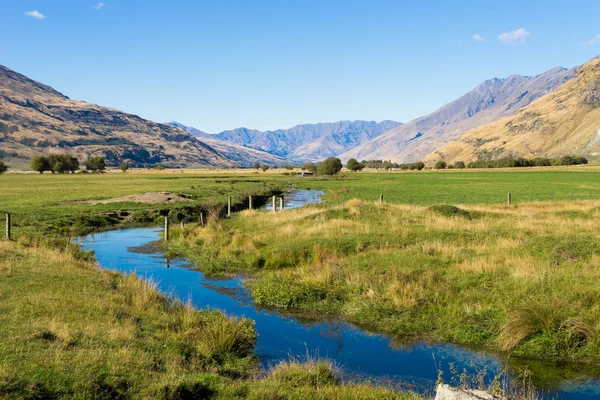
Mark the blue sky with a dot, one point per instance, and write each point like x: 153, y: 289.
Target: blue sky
x: 224, y: 64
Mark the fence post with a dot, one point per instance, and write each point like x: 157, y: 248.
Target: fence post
x: 166, y: 229
x: 274, y: 205
x: 380, y: 199
x: 250, y: 202
x: 201, y: 218
x: 229, y: 206
x: 281, y: 203
x: 509, y: 198
x: 7, y: 226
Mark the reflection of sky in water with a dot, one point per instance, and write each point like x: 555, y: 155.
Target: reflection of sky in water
x: 359, y: 353
x: 296, y: 198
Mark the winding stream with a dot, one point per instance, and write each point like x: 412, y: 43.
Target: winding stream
x: 360, y: 354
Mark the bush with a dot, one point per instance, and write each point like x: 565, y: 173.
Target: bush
x: 256, y: 165
x: 264, y: 167
x: 124, y: 167
x: 459, y: 165
x: 95, y: 163
x: 354, y: 165
x: 330, y: 166
x: 40, y: 164
x: 440, y: 165
x: 3, y: 168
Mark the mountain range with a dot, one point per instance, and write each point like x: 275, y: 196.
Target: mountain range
x: 307, y: 142
x: 565, y: 122
x: 488, y: 102
x: 551, y: 114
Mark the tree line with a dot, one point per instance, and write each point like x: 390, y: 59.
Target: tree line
x: 66, y: 163
x: 515, y: 162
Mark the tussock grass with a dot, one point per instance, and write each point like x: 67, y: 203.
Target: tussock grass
x: 410, y: 271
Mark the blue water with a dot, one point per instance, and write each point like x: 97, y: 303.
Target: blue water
x: 361, y: 355
x: 296, y: 198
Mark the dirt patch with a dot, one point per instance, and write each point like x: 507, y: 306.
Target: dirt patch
x: 146, y: 198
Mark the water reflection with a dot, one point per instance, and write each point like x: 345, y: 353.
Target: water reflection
x: 361, y: 354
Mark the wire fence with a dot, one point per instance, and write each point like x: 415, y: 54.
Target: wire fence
x: 10, y: 221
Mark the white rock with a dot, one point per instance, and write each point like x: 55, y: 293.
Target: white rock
x: 446, y: 392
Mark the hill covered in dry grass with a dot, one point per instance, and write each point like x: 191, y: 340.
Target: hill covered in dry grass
x: 566, y: 121
x: 35, y: 119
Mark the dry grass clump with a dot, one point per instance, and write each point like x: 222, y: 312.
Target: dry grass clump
x: 539, y: 317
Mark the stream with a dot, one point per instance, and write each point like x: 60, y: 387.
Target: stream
x: 361, y: 355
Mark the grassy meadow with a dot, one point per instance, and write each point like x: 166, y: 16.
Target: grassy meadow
x: 56, y: 203
x: 520, y: 279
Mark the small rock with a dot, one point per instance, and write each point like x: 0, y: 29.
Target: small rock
x: 447, y: 392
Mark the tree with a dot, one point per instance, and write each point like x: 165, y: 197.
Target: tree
x: 3, y: 168
x: 95, y: 163
x: 40, y: 164
x: 124, y: 167
x: 459, y: 165
x: 440, y: 165
x: 354, y: 165
x: 62, y: 163
x: 310, y: 167
x: 264, y: 167
x: 256, y: 165
x: 330, y: 166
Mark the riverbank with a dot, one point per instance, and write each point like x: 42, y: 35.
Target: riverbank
x: 71, y: 330
x: 520, y: 280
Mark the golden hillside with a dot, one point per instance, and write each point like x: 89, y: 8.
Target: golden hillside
x: 36, y: 119
x: 566, y: 121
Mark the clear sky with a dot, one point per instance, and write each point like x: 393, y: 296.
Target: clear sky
x: 223, y: 64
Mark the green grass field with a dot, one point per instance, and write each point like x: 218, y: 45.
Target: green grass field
x: 41, y: 202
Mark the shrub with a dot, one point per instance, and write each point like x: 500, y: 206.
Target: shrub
x: 264, y: 167
x: 459, y: 165
x: 95, y: 163
x: 330, y: 166
x: 124, y: 167
x: 354, y: 165
x: 40, y: 164
x: 440, y: 165
x: 3, y: 168
x: 256, y: 165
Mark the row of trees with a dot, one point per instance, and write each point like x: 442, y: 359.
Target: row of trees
x: 510, y: 162
x: 65, y: 163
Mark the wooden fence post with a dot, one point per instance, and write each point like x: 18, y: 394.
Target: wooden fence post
x: 380, y: 199
x: 201, y: 218
x: 274, y: 204
x: 509, y: 198
x: 281, y: 203
x: 166, y: 229
x: 250, y: 202
x: 229, y: 206
x: 8, y: 226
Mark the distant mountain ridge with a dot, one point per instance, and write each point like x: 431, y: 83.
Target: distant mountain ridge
x: 564, y: 122
x: 307, y: 142
x: 488, y: 102
x: 36, y: 119
x: 242, y: 156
